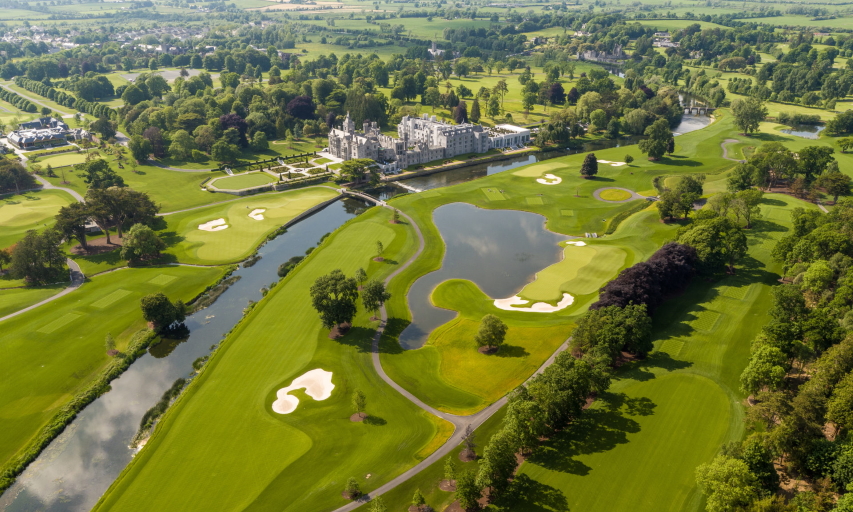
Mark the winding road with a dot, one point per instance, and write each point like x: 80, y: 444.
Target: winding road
x: 460, y: 423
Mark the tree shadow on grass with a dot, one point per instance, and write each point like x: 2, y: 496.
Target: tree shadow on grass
x: 390, y: 342
x: 601, y: 178
x: 641, y: 370
x: 535, y: 496
x: 171, y: 238
x: 769, y: 137
x: 512, y: 351
x: 680, y: 163
x: 360, y: 338
x: 772, y: 202
x: 598, y: 430
x: 375, y: 421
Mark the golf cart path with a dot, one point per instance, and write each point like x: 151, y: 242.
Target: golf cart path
x: 726, y: 151
x: 634, y: 195
x: 77, y: 279
x: 49, y: 186
x: 460, y: 423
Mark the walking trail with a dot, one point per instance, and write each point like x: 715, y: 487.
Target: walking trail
x: 77, y: 279
x: 460, y: 423
x: 726, y: 151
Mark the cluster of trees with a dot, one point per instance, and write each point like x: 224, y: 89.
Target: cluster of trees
x: 811, y: 167
x: 679, y: 201
x: 14, y: 177
x: 799, y: 377
x: 165, y: 317
x: 335, y: 297
x: 38, y: 258
x: 17, y: 100
x: 67, y: 100
x: 650, y: 282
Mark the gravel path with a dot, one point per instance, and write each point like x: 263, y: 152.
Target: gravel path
x: 460, y: 423
x: 49, y: 186
x: 634, y: 195
x: 726, y: 151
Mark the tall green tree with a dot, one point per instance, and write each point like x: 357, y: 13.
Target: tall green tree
x: 748, y: 113
x: 161, y: 312
x: 98, y: 174
x: 38, y: 258
x: 374, y: 295
x: 728, y: 484
x: 498, y: 463
x: 141, y: 243
x: 589, y: 167
x: 71, y: 222
x: 766, y: 370
x: 492, y: 332
x: 334, y: 297
x: 719, y: 243
x: 658, y: 139
x: 467, y: 490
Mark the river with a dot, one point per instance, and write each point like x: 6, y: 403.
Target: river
x: 80, y: 464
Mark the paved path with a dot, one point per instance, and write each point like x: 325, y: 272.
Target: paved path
x: 460, y: 423
x: 49, y: 186
x: 77, y: 279
x: 726, y: 151
x: 634, y: 195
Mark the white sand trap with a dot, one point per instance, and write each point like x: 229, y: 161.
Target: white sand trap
x: 578, y: 243
x: 258, y: 213
x: 549, y: 179
x: 612, y: 164
x: 539, y: 307
x: 213, y: 225
x: 317, y: 384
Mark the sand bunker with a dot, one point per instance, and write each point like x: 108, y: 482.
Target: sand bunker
x: 317, y: 384
x: 539, y: 307
x: 613, y: 164
x: 549, y: 179
x: 578, y: 243
x: 258, y: 213
x: 214, y: 225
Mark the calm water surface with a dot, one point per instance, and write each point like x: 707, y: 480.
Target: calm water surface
x: 79, y: 465
x: 806, y: 131
x: 499, y: 250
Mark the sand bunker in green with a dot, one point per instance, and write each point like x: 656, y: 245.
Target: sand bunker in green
x: 241, y: 181
x: 582, y: 271
x: 247, y: 225
x: 30, y: 210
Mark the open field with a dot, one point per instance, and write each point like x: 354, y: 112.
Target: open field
x: 244, y: 234
x: 48, y: 354
x: 30, y: 210
x: 665, y: 415
x: 300, y: 460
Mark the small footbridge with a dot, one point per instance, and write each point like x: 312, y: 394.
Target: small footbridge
x: 361, y: 195
x: 699, y: 110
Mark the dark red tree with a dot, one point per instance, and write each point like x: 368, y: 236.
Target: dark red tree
x: 155, y: 137
x: 235, y: 121
x: 301, y: 107
x: 557, y: 94
x: 573, y: 96
x: 460, y: 113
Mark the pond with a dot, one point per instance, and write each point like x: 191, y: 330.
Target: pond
x: 499, y: 250
x: 79, y: 465
x: 806, y: 131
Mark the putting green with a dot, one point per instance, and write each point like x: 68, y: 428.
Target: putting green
x: 639, y: 446
x: 494, y: 194
x: 244, y: 233
x: 30, y: 210
x: 582, y: 271
x: 537, y: 170
x: 241, y: 181
x: 299, y: 461
x: 614, y: 194
x: 49, y: 354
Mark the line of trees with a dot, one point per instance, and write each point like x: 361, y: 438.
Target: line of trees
x: 17, y: 100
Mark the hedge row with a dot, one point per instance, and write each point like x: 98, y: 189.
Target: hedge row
x: 138, y: 345
x: 18, y: 101
x: 66, y: 100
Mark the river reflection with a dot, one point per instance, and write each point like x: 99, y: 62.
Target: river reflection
x: 79, y: 465
x: 499, y: 250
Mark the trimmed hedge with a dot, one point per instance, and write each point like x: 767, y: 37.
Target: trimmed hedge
x: 138, y: 345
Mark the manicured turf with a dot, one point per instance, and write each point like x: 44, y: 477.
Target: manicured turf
x: 16, y: 299
x: 639, y: 445
x: 581, y: 272
x: 613, y: 194
x: 298, y: 461
x: 241, y: 181
x: 244, y: 233
x: 30, y: 210
x: 69, y: 158
x: 49, y: 353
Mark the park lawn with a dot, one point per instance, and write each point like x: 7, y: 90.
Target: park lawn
x: 640, y: 443
x: 244, y: 233
x: 299, y: 461
x: 243, y: 180
x: 49, y: 354
x: 16, y: 299
x: 30, y: 210
x: 172, y: 190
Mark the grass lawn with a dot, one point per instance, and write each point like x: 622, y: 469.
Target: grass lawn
x: 615, y: 195
x: 244, y: 234
x: 69, y: 158
x: 16, y: 299
x: 440, y: 373
x: 30, y: 210
x: 172, y: 190
x: 299, y: 461
x: 244, y: 180
x: 640, y: 443
x: 48, y: 354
